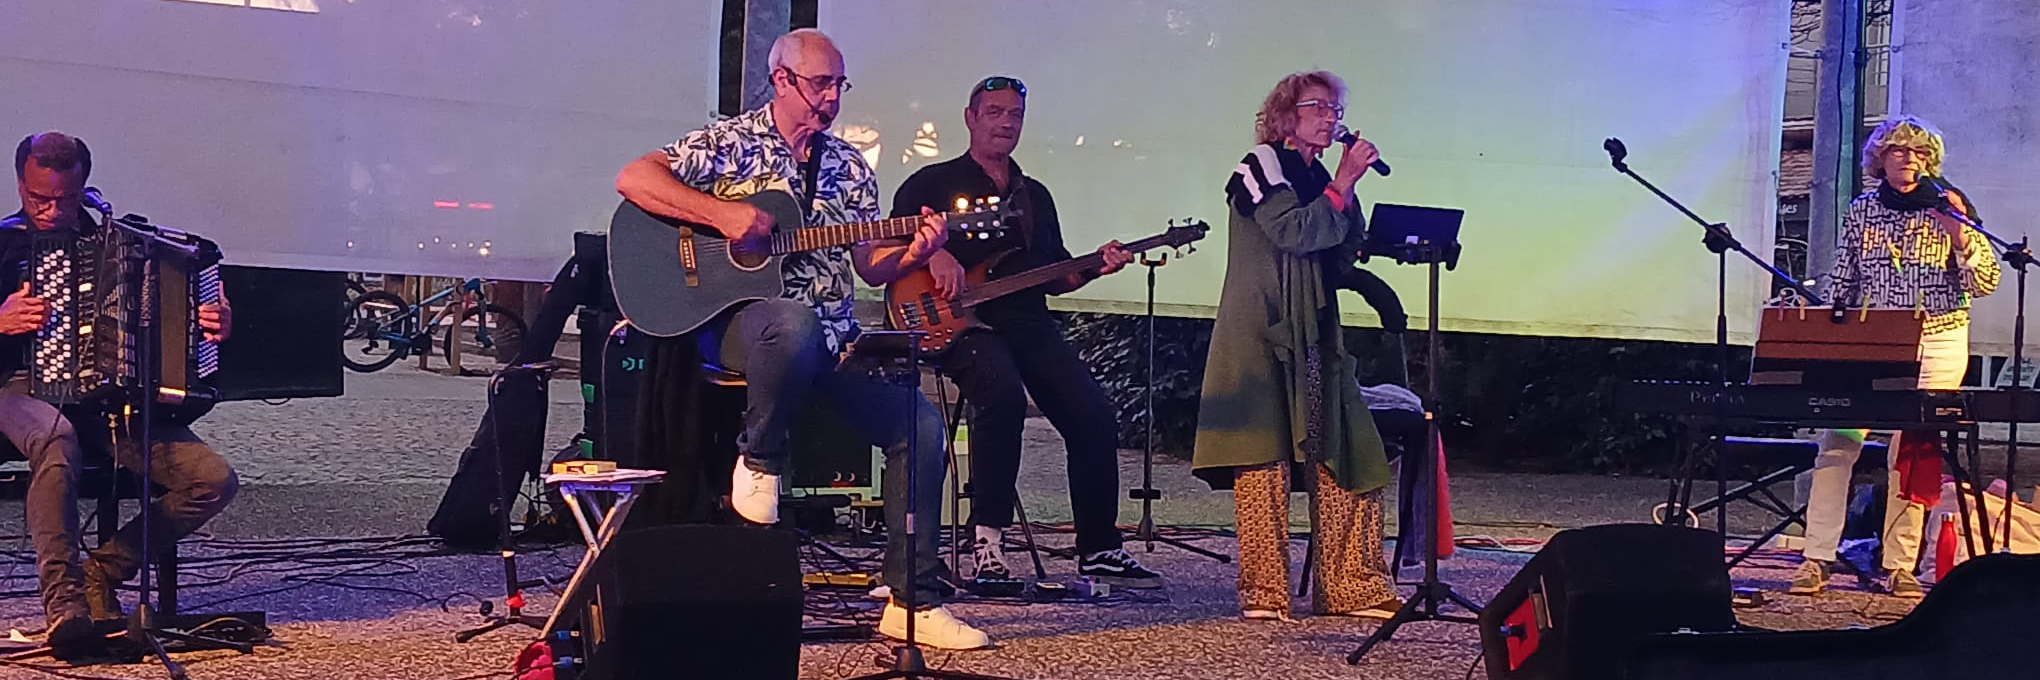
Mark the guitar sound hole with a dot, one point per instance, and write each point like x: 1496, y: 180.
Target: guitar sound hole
x: 748, y: 260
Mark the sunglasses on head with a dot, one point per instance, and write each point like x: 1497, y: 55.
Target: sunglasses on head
x: 996, y: 83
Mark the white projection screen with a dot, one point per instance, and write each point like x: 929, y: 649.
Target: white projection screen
x: 1964, y: 68
x: 401, y: 136
x: 1138, y: 110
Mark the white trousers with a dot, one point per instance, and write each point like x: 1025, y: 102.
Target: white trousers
x: 1944, y: 358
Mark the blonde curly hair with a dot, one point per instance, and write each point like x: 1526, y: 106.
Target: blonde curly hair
x: 1277, y: 119
x: 1908, y: 131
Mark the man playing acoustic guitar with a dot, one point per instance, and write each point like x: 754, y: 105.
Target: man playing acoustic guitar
x: 1023, y: 351
x: 787, y: 347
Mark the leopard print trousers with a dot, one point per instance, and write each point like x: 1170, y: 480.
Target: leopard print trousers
x: 1351, y: 573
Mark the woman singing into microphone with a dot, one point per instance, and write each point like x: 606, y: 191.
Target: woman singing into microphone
x: 1279, y: 388
x: 1898, y: 251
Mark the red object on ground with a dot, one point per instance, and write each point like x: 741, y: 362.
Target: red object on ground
x: 534, y: 663
x: 1445, y: 540
x: 1944, y: 549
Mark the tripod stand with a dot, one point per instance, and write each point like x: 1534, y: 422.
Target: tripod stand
x: 1147, y: 494
x: 1718, y: 240
x: 905, y: 347
x: 513, y: 589
x: 1431, y: 594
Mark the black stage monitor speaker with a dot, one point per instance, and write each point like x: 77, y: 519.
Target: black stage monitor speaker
x: 286, y: 340
x: 1584, y: 599
x: 685, y: 601
x: 1976, y: 623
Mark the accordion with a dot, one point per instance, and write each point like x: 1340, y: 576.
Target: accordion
x: 88, y: 350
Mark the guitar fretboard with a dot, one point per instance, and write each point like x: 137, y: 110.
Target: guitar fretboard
x: 815, y: 238
x: 1040, y: 275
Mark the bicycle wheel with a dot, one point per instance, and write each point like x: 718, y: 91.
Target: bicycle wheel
x: 382, y: 326
x: 500, y: 326
x: 350, y: 325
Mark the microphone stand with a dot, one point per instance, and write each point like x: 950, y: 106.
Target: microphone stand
x: 1719, y: 240
x: 1147, y: 494
x: 2020, y: 256
x: 141, y: 285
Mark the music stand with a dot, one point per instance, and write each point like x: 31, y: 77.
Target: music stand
x: 1430, y: 237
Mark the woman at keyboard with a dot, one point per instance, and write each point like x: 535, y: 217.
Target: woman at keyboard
x: 1898, y: 249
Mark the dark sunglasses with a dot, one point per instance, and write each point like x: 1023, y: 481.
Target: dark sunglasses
x: 996, y: 83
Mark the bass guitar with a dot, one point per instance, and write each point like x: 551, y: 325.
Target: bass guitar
x: 670, y: 276
x: 911, y: 303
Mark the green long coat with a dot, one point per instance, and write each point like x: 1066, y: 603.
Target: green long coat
x: 1275, y: 304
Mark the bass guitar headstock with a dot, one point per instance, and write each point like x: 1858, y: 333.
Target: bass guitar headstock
x: 979, y: 219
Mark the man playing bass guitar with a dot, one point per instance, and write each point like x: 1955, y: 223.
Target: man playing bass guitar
x: 1023, y: 351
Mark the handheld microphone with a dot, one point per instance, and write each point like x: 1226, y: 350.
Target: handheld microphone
x: 93, y: 200
x: 1347, y: 138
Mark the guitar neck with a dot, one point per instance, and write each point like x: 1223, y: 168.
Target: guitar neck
x: 1040, y: 275
x: 816, y: 238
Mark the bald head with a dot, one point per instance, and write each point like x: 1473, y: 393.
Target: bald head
x: 49, y: 172
x: 807, y: 78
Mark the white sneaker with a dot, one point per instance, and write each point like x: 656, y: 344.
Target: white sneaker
x: 988, y: 554
x: 754, y: 495
x: 932, y: 627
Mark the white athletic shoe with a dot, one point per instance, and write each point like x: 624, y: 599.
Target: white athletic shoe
x: 934, y: 627
x: 754, y: 495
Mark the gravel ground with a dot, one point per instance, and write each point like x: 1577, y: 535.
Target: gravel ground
x: 373, y: 463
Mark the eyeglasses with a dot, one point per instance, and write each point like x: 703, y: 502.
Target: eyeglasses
x: 1907, y: 150
x: 840, y: 84
x: 1337, y: 112
x: 996, y: 83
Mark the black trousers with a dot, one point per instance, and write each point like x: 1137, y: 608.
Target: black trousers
x: 996, y: 371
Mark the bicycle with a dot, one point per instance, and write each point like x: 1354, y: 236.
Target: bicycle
x: 381, y: 328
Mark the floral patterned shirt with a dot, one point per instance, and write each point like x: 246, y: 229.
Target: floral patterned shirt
x: 742, y: 155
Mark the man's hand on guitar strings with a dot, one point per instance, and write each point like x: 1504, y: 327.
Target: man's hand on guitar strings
x: 747, y: 224
x: 928, y: 240
x: 948, y: 274
x: 1116, y: 257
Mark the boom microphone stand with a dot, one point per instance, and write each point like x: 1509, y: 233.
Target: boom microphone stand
x: 2019, y: 256
x: 143, y: 285
x: 1718, y: 240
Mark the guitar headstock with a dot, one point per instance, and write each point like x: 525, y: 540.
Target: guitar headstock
x: 1181, y: 235
x: 978, y: 219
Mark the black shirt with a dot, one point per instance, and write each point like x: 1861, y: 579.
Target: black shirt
x: 1035, y: 232
x: 14, y: 246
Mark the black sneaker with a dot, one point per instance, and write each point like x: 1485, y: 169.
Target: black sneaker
x: 1118, y: 568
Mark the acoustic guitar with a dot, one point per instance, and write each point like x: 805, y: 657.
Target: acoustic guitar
x: 911, y: 303
x: 670, y: 277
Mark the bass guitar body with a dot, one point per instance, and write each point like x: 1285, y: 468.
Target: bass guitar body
x: 911, y: 304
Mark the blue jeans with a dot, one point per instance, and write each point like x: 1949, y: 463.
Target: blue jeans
x: 197, y: 484
x: 778, y: 346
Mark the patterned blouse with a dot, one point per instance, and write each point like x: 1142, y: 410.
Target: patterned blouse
x: 744, y: 154
x: 1890, y: 259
